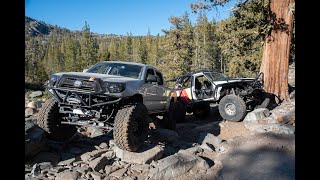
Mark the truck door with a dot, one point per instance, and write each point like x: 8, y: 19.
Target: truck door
x: 202, y: 88
x: 154, y: 92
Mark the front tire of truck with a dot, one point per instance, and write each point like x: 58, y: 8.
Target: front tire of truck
x: 49, y: 120
x: 232, y: 108
x: 131, y: 126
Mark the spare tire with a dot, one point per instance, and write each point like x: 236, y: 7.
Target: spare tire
x: 232, y: 108
x: 131, y: 126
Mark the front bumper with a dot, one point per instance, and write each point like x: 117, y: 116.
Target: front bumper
x: 82, y: 98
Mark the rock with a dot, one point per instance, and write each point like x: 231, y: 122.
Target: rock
x: 96, y: 175
x: 176, y: 165
x: 109, y: 154
x: 112, y: 143
x: 47, y: 157
x: 36, y: 94
x: 292, y: 94
x: 67, y: 162
x: 28, y: 112
x: 257, y: 114
x: 86, y: 156
x: 144, y: 155
x: 67, y: 174
x: 164, y: 135
x: 282, y: 110
x: 45, y: 165
x: 110, y: 169
x: 207, y: 138
x: 81, y: 170
x: 35, y: 170
x: 192, y: 150
x: 103, y: 145
x: 208, y: 147
x: 57, y: 169
x: 99, y: 163
x: 94, y: 131
x: 77, y: 163
x: 119, y: 173
x: 223, y: 147
x: 31, y: 105
x: 140, y: 167
x: 278, y: 128
x: 35, y: 140
x: 131, y: 178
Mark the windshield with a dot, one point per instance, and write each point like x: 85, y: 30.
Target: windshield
x: 117, y: 69
x: 216, y: 76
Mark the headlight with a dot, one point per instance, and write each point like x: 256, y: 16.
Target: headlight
x: 53, y: 79
x: 115, y: 87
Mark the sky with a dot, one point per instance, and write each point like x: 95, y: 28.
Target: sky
x: 116, y: 16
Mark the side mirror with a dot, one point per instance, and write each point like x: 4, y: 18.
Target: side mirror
x: 152, y: 78
x: 85, y: 70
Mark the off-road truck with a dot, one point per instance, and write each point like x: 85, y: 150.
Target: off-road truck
x: 200, y: 89
x: 111, y: 94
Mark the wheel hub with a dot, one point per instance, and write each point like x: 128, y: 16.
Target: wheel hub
x: 230, y: 109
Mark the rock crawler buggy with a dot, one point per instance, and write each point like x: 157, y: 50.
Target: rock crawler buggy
x: 200, y: 89
x: 112, y: 95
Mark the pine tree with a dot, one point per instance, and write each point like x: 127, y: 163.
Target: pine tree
x: 89, y: 47
x: 179, y: 47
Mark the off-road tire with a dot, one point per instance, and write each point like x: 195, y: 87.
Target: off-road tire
x: 131, y: 126
x: 201, y: 110
x: 49, y: 120
x: 232, y: 108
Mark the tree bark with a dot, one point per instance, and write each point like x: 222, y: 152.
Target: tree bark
x: 275, y: 58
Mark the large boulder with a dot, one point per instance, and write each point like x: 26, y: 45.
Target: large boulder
x: 28, y: 112
x: 35, y: 94
x: 144, y: 155
x: 207, y: 139
x: 93, y: 154
x: 99, y: 163
x: 67, y: 174
x: 257, y: 114
x: 176, y: 165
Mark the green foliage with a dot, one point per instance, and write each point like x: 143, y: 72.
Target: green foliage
x: 241, y: 39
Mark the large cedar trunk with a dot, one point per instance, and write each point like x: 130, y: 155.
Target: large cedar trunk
x: 275, y: 58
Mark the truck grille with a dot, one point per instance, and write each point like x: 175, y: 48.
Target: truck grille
x: 68, y: 82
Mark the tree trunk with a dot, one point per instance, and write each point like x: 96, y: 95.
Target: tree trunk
x: 275, y: 59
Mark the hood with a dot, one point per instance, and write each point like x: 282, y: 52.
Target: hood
x: 103, y: 77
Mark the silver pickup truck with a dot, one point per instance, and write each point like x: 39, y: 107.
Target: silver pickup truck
x: 113, y: 95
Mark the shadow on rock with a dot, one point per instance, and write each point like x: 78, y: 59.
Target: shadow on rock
x: 267, y: 156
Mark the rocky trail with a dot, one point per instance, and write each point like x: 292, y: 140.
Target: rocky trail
x: 262, y: 146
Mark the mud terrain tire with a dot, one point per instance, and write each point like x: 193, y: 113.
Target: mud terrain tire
x: 49, y: 120
x: 232, y: 108
x: 131, y: 126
